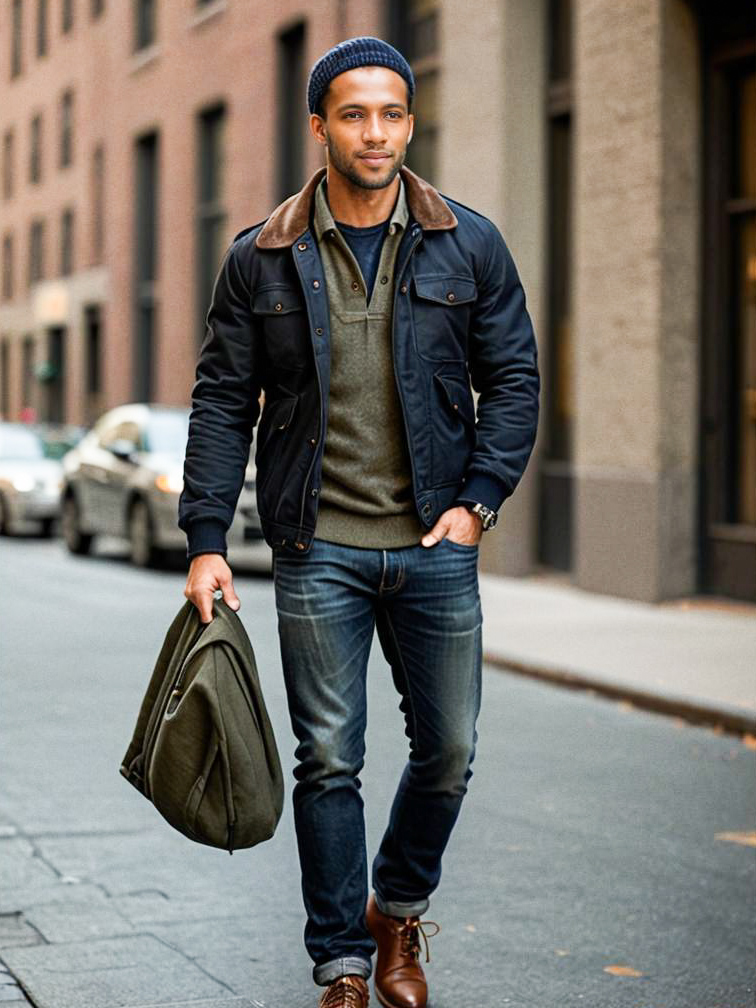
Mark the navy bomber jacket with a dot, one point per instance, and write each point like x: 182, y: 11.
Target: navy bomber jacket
x: 459, y: 319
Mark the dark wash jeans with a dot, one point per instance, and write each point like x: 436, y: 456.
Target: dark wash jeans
x: 426, y: 606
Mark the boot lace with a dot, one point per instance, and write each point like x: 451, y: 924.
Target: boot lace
x: 342, y: 993
x: 410, y: 933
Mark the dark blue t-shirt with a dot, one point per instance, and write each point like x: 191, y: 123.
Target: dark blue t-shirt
x: 366, y: 244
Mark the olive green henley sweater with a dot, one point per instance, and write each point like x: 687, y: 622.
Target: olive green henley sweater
x: 366, y: 487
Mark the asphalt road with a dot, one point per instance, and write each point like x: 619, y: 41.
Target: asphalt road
x: 602, y: 856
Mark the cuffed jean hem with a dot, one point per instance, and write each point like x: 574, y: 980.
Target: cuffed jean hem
x: 326, y: 973
x: 394, y: 909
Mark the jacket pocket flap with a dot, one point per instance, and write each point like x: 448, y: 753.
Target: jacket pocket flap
x: 277, y: 301
x: 279, y: 412
x: 448, y: 290
x: 458, y: 395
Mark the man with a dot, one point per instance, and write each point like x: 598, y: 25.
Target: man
x: 363, y: 306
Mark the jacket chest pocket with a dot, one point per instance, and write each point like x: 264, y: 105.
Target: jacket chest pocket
x: 441, y: 315
x: 281, y: 311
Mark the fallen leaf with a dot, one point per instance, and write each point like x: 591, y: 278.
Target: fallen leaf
x: 622, y: 971
x: 746, y: 839
x: 749, y: 741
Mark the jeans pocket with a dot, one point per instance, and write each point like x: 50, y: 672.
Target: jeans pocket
x: 466, y: 547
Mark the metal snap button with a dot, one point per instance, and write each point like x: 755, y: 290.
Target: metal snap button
x: 313, y: 492
x: 450, y: 296
x: 403, y: 288
x: 313, y: 441
x: 355, y: 285
x: 319, y: 331
x: 299, y: 545
x: 455, y: 405
x: 302, y: 246
x: 384, y: 279
x: 279, y: 306
x: 316, y: 284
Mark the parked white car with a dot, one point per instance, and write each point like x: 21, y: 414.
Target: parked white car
x: 124, y: 479
x: 30, y: 483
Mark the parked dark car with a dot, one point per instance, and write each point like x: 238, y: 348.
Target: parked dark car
x: 124, y: 479
x: 30, y: 483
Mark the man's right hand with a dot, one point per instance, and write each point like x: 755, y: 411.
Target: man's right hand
x: 207, y: 573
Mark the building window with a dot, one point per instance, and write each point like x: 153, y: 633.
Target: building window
x: 35, y: 149
x: 5, y: 378
x: 7, y: 267
x: 17, y: 38
x: 67, y: 15
x: 414, y: 25
x: 41, y: 27
x: 8, y: 155
x: 27, y: 376
x: 145, y: 266
x: 290, y: 139
x: 211, y: 213
x: 66, y: 128
x: 93, y: 361
x: 144, y: 23
x: 67, y: 242
x: 36, y: 251
x: 97, y: 8
x: 98, y: 204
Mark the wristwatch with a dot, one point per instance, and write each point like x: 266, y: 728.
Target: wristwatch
x: 486, y: 515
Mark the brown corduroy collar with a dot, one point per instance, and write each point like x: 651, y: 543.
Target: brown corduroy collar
x: 290, y: 218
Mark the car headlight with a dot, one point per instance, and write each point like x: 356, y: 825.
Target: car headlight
x: 172, y: 482
x: 23, y: 483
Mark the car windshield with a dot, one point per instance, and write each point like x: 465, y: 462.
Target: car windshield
x: 168, y: 432
x: 19, y: 445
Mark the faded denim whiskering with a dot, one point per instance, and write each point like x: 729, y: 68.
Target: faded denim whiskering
x: 425, y: 604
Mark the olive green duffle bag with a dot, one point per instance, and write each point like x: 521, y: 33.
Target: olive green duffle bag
x: 203, y: 750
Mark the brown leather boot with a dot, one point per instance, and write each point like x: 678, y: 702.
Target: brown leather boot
x: 399, y: 978
x: 349, y: 991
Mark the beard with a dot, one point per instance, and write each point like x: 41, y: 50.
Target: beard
x: 345, y: 166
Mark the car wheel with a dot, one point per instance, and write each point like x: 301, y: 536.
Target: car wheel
x: 144, y: 552
x: 5, y: 528
x: 77, y: 541
x: 46, y: 527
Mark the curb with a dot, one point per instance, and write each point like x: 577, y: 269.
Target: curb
x: 724, y: 718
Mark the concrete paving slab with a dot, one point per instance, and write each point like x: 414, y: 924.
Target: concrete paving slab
x: 72, y: 922
x: 111, y: 973
x: 20, y: 865
x: 15, y: 931
x: 691, y: 659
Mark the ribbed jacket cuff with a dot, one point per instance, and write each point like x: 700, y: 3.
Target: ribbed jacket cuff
x: 483, y: 488
x: 206, y: 535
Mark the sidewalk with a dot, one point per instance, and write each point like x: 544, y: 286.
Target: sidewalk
x: 692, y: 657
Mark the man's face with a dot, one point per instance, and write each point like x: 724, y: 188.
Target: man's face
x: 367, y: 126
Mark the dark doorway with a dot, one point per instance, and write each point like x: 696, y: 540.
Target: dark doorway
x: 728, y: 379
x: 555, y: 474
x: 56, y: 375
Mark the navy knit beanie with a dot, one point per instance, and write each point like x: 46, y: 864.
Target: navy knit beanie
x: 365, y: 50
